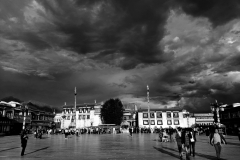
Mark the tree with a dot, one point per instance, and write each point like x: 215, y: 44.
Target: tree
x: 112, y: 112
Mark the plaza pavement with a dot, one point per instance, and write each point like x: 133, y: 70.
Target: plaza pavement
x: 109, y: 146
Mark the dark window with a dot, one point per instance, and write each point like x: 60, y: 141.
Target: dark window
x: 175, y: 115
x: 80, y: 117
x: 152, y: 115
x: 84, y: 116
x: 145, y: 122
x: 159, y: 114
x: 152, y: 122
x: 176, y: 122
x: 159, y: 122
x: 88, y: 116
x: 145, y: 115
x: 169, y: 115
x: 169, y: 122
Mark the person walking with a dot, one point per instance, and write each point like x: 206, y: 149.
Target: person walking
x: 186, y: 142
x: 216, y: 142
x: 192, y: 142
x: 179, y: 141
x: 130, y: 131
x: 160, y: 135
x: 24, y: 139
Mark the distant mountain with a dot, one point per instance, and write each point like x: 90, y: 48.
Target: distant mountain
x: 11, y: 98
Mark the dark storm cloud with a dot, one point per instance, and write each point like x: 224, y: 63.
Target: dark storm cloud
x: 133, y: 28
x: 218, y: 11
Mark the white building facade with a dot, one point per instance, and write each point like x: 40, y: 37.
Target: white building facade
x: 165, y: 118
x: 87, y: 115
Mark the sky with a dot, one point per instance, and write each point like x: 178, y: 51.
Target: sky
x: 187, y: 52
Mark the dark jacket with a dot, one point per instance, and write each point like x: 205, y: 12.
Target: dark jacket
x: 192, y: 133
x: 184, y: 140
x: 178, y: 139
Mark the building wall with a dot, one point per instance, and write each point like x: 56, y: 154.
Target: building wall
x: 87, y: 118
x: 164, y: 121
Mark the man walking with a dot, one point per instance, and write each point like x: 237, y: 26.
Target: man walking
x: 24, y: 139
x: 179, y: 141
x: 192, y: 142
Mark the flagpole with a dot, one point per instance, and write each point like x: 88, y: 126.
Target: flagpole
x: 75, y: 107
x: 149, y: 122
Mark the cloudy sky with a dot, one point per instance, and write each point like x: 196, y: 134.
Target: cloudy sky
x: 187, y: 51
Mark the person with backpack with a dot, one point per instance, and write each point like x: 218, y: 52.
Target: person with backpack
x: 216, y: 141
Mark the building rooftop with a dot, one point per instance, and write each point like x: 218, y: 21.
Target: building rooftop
x: 162, y: 109
x: 82, y: 105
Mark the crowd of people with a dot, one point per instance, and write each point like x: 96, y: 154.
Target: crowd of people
x: 185, y: 138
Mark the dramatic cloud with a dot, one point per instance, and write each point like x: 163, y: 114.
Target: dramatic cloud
x: 188, y: 51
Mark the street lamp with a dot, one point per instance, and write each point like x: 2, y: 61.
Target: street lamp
x: 216, y: 108
x: 24, y: 109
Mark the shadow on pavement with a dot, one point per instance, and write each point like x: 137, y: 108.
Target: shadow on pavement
x: 9, y: 149
x: 37, y: 150
x: 8, y: 142
x: 231, y: 143
x: 166, y: 152
x: 197, y: 154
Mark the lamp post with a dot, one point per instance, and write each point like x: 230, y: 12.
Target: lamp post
x: 216, y: 108
x: 24, y: 109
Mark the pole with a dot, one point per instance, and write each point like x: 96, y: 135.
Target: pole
x: 24, y: 118
x: 75, y: 107
x: 149, y: 122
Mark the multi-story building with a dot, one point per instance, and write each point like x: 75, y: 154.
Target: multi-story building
x: 165, y: 118
x: 230, y: 117
x: 87, y: 115
x: 203, y: 119
x: 12, y: 117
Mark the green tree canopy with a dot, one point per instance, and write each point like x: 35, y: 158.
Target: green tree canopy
x: 112, y: 112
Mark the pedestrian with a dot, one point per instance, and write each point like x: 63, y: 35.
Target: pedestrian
x: 208, y: 134
x: 192, y: 142
x: 66, y: 133
x: 24, y: 139
x: 160, y: 135
x: 77, y: 132
x: 130, y: 131
x: 179, y: 141
x: 216, y: 142
x: 186, y: 142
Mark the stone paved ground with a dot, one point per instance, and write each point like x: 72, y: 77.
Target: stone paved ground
x: 101, y: 147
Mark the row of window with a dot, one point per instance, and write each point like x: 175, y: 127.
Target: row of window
x: 81, y: 110
x: 1, y: 122
x: 160, y: 122
x: 79, y: 117
x: 230, y: 115
x: 159, y: 115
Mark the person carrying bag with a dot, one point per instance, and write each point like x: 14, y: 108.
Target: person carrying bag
x: 216, y: 141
